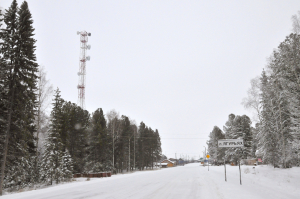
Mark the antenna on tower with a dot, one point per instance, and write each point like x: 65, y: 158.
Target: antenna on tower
x: 82, y: 66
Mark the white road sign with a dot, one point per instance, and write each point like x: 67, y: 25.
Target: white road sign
x: 231, y: 143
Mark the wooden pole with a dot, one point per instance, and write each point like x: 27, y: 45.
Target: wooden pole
x: 225, y: 170
x: 240, y: 172
x: 129, y: 157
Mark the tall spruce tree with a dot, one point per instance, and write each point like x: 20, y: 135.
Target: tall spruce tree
x: 29, y: 67
x: 26, y: 95
x: 74, y: 133
x: 3, y: 100
x: 18, y: 52
x: 52, y: 156
x: 157, y: 146
x: 9, y: 39
x: 217, y: 154
x: 141, y: 146
x: 99, y: 153
x: 56, y: 162
x: 268, y: 145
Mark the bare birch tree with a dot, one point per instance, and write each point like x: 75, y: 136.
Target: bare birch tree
x: 252, y: 101
x: 113, y: 125
x: 44, y: 92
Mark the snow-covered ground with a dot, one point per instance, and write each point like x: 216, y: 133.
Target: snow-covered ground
x: 189, y: 181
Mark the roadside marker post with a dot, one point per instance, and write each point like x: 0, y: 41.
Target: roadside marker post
x: 225, y: 170
x: 240, y: 172
x: 208, y: 156
x: 230, y: 143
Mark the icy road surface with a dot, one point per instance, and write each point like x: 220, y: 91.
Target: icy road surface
x: 189, y: 181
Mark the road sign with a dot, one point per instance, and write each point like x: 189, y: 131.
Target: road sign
x: 207, y: 156
x: 231, y: 143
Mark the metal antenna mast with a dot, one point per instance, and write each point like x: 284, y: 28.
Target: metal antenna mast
x: 82, y: 65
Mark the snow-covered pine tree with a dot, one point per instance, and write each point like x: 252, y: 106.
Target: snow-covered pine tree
x: 9, y: 41
x: 3, y: 100
x: 27, y: 95
x: 19, y: 81
x: 284, y: 80
x: 217, y: 154
x: 151, y: 145
x: 52, y: 158
x: 154, y: 146
x: 141, y: 157
x: 288, y: 71
x: 243, y: 131
x: 66, y: 167
x: 238, y: 127
x: 157, y: 146
x: 74, y: 134
x: 228, y: 130
x: 268, y: 145
x: 98, y: 147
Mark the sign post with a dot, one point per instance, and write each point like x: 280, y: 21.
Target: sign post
x: 231, y: 143
x: 208, y: 156
x: 240, y: 172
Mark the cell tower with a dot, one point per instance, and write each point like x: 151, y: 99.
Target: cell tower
x: 82, y: 65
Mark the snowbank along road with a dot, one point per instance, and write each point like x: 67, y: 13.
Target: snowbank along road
x: 189, y: 181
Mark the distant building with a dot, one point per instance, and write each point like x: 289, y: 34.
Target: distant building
x: 174, y: 160
x: 169, y: 163
x: 180, y: 162
x: 249, y: 161
x: 162, y: 165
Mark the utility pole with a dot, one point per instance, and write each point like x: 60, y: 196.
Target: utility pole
x: 129, y: 156
x: 204, y: 156
x: 129, y: 151
x: 134, y: 149
x: 113, y: 159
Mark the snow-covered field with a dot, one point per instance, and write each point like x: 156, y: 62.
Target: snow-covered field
x: 189, y: 181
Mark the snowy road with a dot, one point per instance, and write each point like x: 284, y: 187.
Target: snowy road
x: 189, y: 181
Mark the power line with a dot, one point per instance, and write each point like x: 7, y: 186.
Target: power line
x: 185, y: 138
x: 162, y: 138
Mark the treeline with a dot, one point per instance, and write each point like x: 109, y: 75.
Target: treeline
x: 78, y: 142
x: 275, y: 98
x: 39, y: 148
x: 236, y: 127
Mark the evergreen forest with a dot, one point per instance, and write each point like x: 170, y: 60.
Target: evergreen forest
x: 273, y: 135
x: 37, y: 147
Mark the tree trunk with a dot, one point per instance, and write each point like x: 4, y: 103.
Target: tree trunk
x: 7, y: 137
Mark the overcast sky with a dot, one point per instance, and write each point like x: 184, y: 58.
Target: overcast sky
x: 180, y: 66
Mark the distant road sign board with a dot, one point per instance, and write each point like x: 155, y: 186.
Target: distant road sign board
x: 231, y: 143
x: 208, y: 156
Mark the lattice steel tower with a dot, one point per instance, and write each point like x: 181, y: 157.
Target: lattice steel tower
x: 82, y: 67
